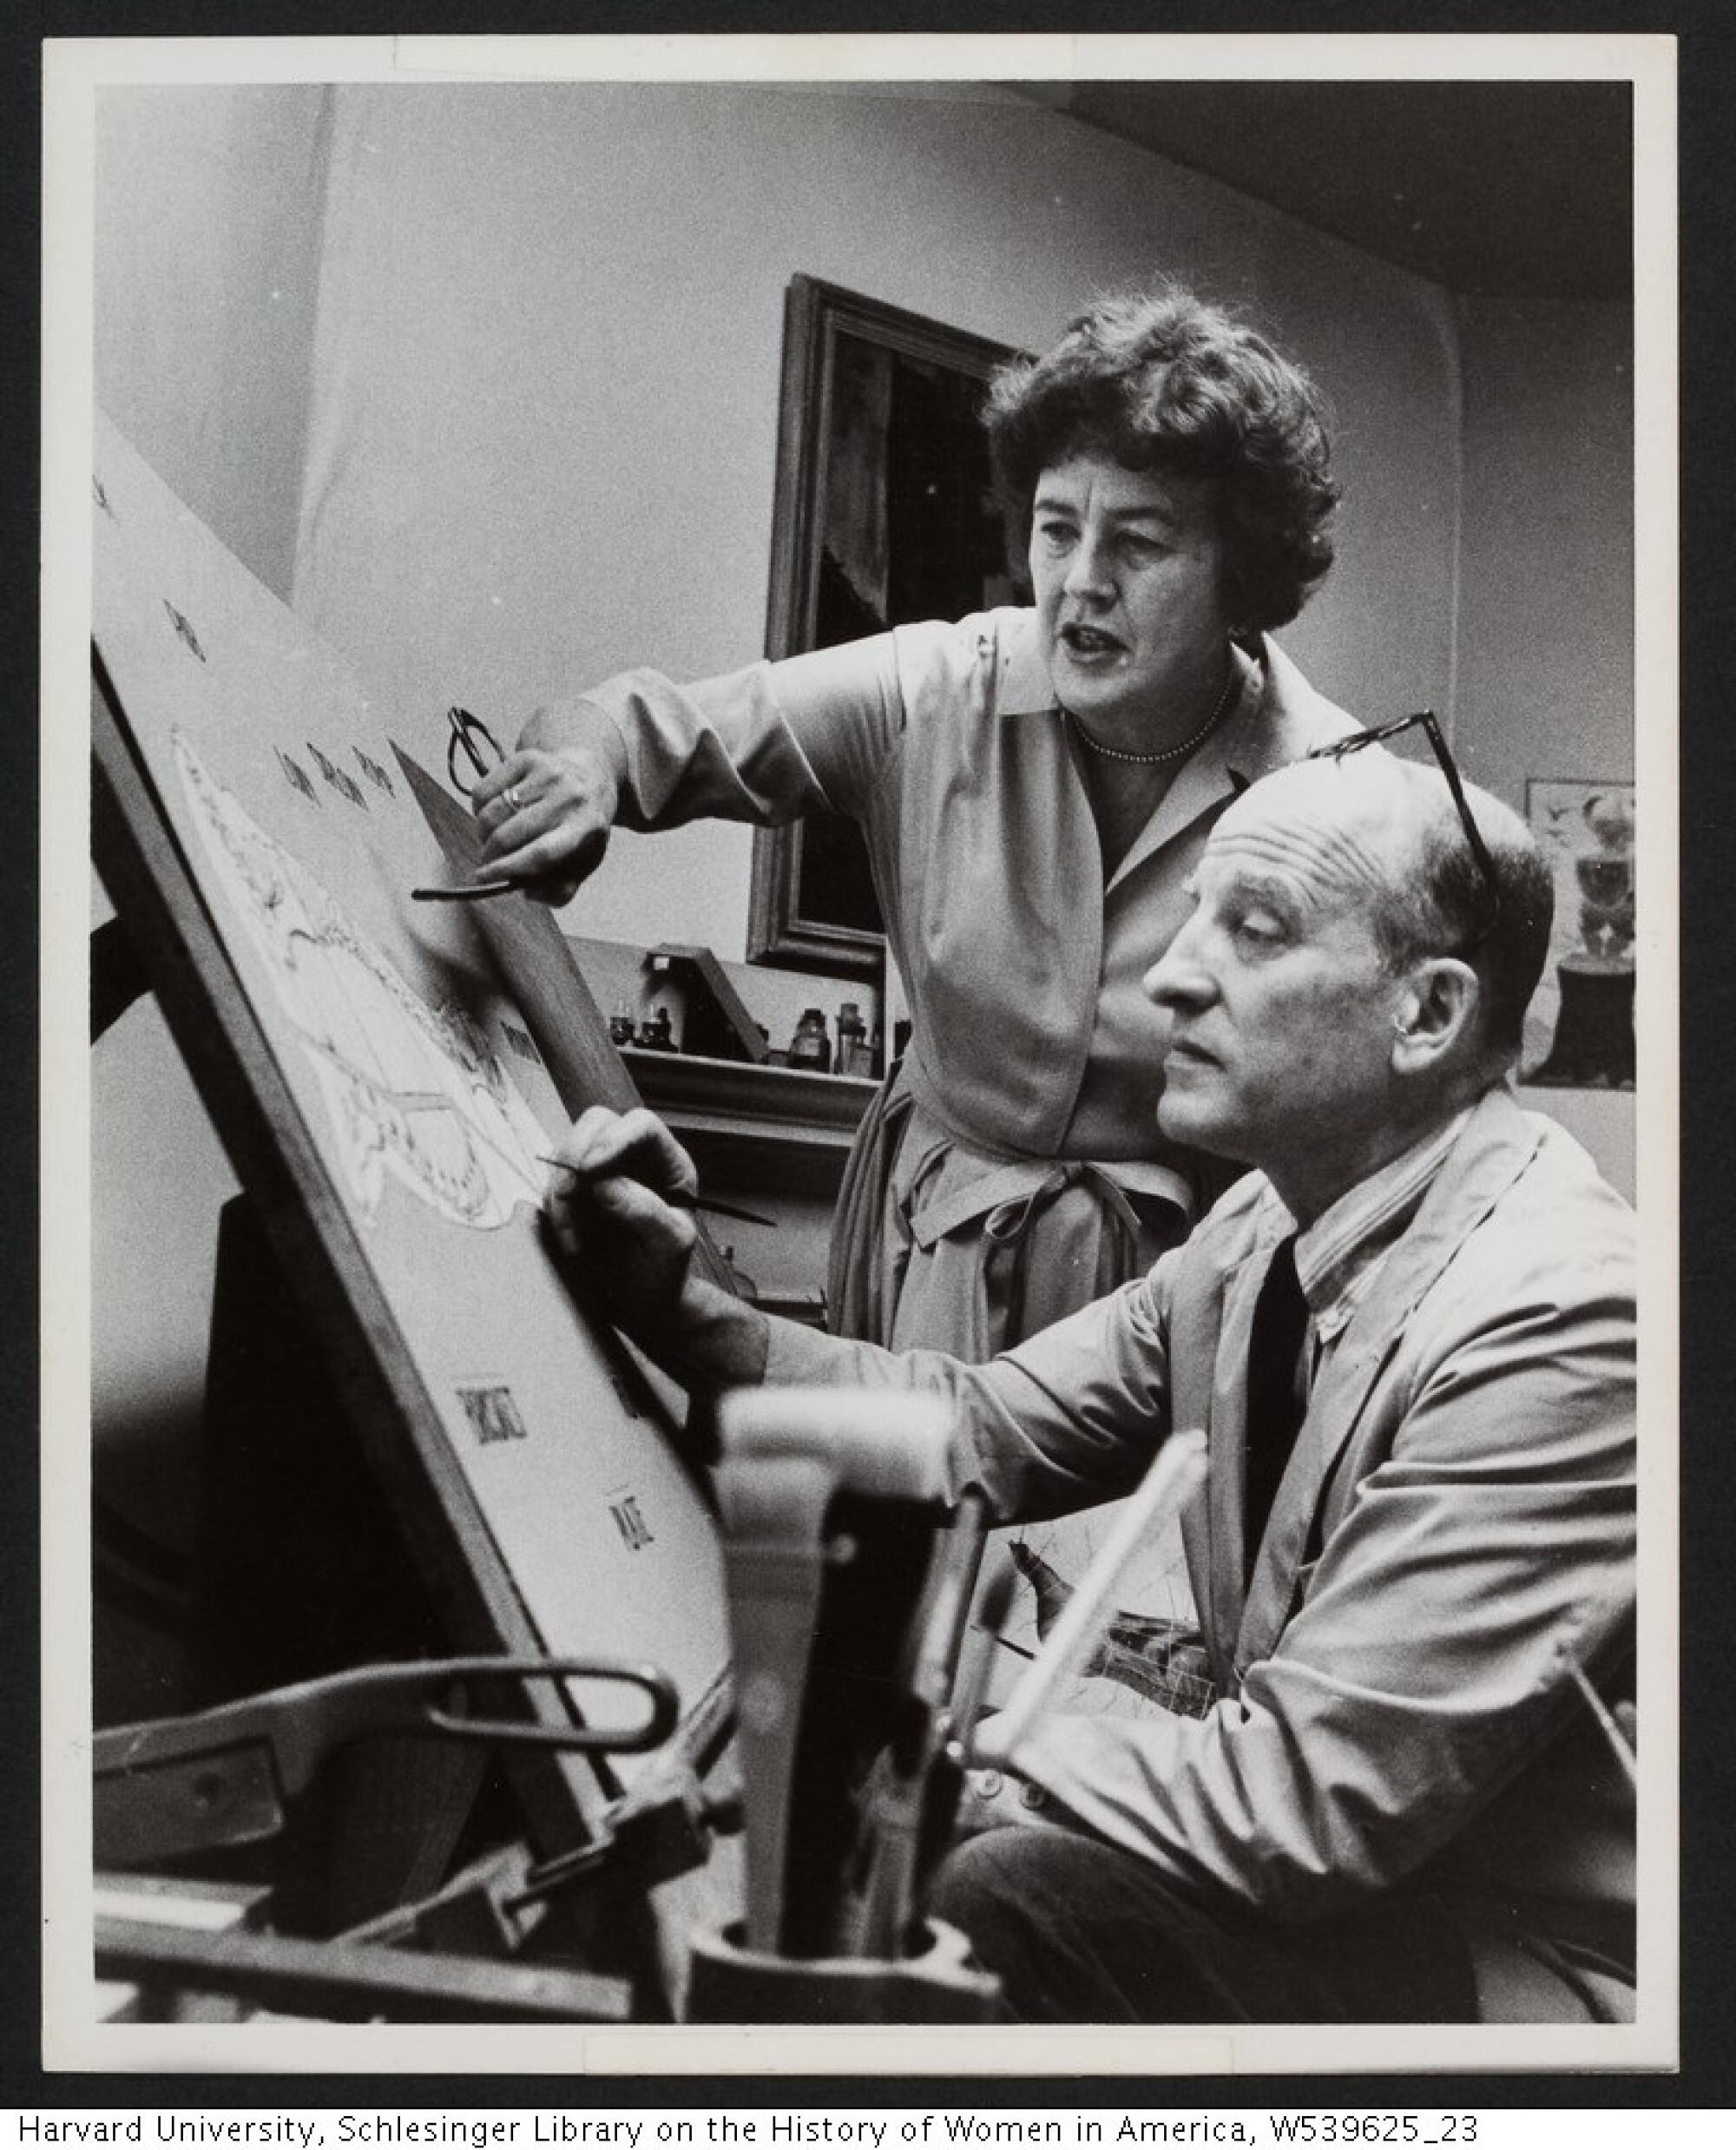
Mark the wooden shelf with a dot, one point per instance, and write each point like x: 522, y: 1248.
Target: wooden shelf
x: 782, y: 1128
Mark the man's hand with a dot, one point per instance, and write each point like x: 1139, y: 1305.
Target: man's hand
x: 546, y: 815
x: 634, y: 1251
x: 607, y: 1213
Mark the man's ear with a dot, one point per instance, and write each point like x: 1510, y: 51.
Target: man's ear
x: 1436, y: 1016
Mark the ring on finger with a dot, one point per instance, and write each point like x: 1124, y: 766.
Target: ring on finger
x: 511, y: 795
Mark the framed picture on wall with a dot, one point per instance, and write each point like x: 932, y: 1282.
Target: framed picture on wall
x: 1579, y: 1031
x: 884, y: 513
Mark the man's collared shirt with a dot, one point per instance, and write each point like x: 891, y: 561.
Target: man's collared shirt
x: 1339, y: 1257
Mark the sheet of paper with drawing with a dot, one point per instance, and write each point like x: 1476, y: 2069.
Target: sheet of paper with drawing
x: 416, y: 1077
x: 1143, y: 1657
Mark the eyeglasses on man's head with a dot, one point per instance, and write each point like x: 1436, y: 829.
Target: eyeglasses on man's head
x: 1424, y: 720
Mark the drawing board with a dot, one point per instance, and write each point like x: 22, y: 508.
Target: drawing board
x: 385, y: 1101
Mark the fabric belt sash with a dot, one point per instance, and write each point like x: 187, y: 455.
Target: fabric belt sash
x: 1010, y: 1193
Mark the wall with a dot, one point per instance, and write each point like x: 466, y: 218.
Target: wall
x: 1546, y: 593
x: 208, y: 209
x: 546, y: 371
x: 1546, y: 681
x: 209, y: 205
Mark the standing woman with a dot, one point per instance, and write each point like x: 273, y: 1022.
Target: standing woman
x: 1035, y: 786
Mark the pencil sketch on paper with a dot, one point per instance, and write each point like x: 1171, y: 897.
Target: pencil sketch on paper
x: 1145, y: 1656
x: 416, y: 1093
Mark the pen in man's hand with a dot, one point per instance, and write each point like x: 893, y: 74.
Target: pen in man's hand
x: 466, y: 891
x: 679, y: 1198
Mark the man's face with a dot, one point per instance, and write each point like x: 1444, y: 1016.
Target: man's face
x: 1282, y: 1011
x: 1127, y: 571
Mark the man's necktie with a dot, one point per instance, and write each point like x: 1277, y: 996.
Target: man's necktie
x: 1277, y: 1396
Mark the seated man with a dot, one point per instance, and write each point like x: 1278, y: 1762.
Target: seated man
x: 1399, y: 1804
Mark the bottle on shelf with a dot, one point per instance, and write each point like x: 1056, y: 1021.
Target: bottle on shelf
x: 811, y: 1047
x: 853, y: 1040
x: 620, y: 1024
x: 656, y: 1035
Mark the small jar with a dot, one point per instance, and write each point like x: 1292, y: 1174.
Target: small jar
x: 852, y: 1038
x: 620, y: 1024
x: 656, y: 1035
x: 811, y: 1047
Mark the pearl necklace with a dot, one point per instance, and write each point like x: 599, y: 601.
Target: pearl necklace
x: 1169, y: 753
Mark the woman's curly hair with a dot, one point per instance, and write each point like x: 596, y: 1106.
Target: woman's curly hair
x: 1161, y: 381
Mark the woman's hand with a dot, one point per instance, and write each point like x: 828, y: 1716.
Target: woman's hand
x: 546, y: 814
x: 606, y: 1214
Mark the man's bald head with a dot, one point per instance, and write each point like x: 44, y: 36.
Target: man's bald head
x: 1398, y: 835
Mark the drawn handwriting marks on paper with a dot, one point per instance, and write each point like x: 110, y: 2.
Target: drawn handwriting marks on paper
x: 628, y: 1518
x: 521, y: 1042
x: 492, y: 1412
x: 183, y: 628
x: 340, y: 779
x: 494, y: 1417
x: 376, y: 775
x: 296, y: 776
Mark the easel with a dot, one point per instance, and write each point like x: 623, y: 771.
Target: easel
x: 209, y: 700
x: 314, y: 1470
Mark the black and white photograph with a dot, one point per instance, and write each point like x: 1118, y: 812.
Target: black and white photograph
x: 878, y: 1217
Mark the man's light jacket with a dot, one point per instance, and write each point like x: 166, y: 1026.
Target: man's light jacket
x: 1396, y: 1703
